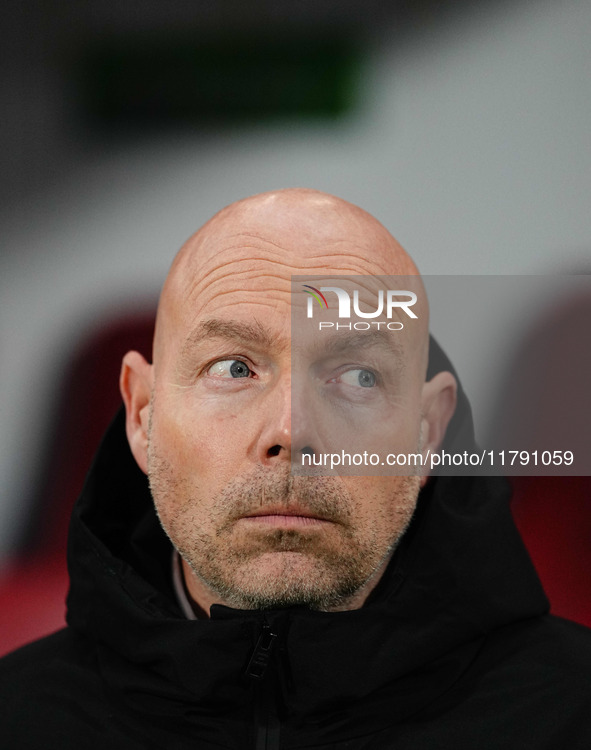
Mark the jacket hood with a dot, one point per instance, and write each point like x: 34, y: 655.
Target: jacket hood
x: 459, y: 573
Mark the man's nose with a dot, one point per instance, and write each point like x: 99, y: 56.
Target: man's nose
x: 288, y: 429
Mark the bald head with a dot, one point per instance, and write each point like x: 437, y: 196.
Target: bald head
x: 284, y: 233
x: 316, y: 228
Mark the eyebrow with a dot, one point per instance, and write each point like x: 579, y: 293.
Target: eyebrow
x: 230, y: 330
x: 255, y: 334
x: 357, y: 340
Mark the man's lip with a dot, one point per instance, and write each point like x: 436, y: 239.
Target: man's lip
x: 285, y: 510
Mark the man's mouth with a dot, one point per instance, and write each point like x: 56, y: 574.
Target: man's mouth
x: 283, y: 516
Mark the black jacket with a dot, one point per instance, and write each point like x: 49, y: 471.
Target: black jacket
x: 454, y: 649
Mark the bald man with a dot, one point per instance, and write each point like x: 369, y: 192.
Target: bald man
x: 223, y: 597
x: 213, y: 448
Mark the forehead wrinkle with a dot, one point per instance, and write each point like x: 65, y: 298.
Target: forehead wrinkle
x: 228, y: 270
x: 196, y: 289
x: 231, y: 270
x: 340, y: 262
x: 254, y: 236
x: 335, y: 259
x: 326, y: 242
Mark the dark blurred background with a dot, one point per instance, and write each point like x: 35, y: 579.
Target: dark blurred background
x: 463, y: 126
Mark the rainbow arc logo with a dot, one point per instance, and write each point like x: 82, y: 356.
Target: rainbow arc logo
x: 317, y: 295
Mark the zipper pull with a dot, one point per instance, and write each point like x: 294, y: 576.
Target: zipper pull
x: 259, y: 661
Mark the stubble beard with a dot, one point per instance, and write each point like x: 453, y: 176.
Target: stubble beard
x: 273, y: 568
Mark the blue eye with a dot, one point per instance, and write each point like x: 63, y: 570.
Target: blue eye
x: 363, y: 378
x: 230, y: 368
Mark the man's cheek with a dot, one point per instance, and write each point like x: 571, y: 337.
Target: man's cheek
x: 202, y: 447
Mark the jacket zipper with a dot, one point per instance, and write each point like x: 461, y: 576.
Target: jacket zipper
x: 266, y: 719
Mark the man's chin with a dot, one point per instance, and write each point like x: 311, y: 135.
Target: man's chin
x: 275, y: 580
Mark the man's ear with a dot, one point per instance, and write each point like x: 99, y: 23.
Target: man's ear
x: 136, y: 383
x: 438, y: 404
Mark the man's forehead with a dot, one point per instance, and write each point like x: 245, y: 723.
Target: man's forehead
x: 298, y: 227
x: 254, y: 247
